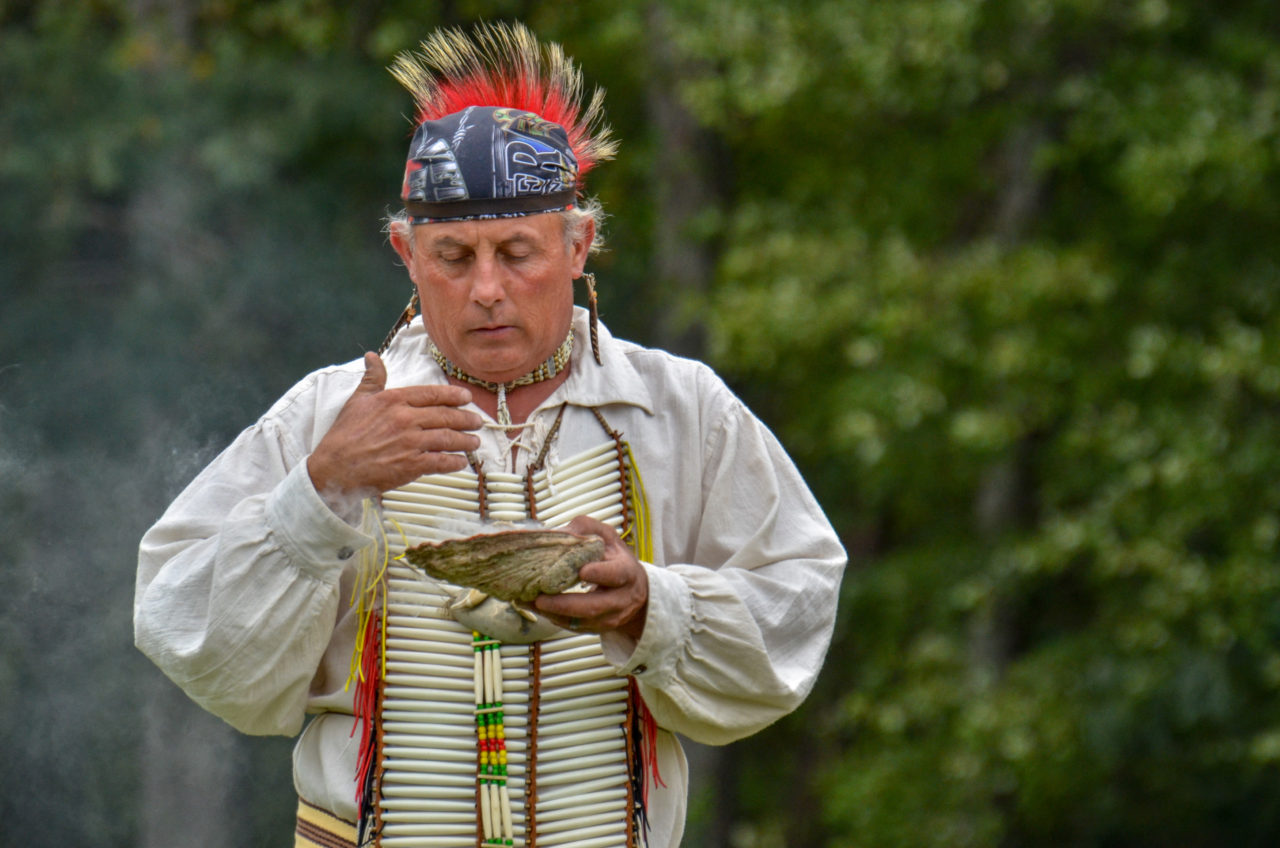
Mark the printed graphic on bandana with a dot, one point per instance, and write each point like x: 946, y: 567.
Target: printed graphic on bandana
x: 470, y: 163
x: 525, y: 159
x: 432, y: 173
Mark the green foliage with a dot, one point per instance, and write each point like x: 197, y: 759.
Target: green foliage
x: 1028, y: 346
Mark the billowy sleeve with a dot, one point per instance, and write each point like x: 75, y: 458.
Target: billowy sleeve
x: 238, y: 583
x: 735, y: 637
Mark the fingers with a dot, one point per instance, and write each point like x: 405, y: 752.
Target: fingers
x: 608, y: 574
x: 440, y: 463
x: 596, y: 611
x: 383, y: 438
x: 585, y: 525
x: 375, y: 381
x: 403, y: 416
x: 451, y: 419
x: 447, y: 439
x: 443, y: 395
x: 620, y: 594
x: 435, y: 406
x: 375, y: 375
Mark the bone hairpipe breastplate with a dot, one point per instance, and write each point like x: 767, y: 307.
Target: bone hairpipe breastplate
x: 551, y: 764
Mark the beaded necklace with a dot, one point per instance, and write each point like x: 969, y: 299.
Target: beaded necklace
x: 554, y: 364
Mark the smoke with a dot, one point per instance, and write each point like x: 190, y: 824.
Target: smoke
x: 101, y: 749
x: 67, y: 697
x: 149, y: 314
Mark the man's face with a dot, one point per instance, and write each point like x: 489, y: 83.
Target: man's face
x: 497, y: 295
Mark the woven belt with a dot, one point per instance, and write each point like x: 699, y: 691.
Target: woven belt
x: 319, y: 829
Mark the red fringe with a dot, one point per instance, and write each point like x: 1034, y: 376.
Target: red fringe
x: 648, y: 746
x: 366, y: 711
x: 515, y: 89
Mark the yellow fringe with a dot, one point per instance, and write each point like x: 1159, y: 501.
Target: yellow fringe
x: 370, y: 592
x: 641, y: 540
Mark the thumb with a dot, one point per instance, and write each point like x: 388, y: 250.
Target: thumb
x: 375, y: 375
x: 585, y: 525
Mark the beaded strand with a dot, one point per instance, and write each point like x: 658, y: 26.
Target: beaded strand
x: 491, y: 742
x: 553, y: 365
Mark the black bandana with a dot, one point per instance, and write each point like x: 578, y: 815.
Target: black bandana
x: 488, y: 162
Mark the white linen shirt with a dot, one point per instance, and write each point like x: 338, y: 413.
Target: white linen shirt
x: 244, y: 584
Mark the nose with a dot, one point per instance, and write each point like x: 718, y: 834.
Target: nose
x: 487, y: 286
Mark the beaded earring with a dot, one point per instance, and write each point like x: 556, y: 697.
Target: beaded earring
x: 595, y: 315
x: 410, y: 312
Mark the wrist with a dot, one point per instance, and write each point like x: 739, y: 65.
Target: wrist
x: 319, y: 477
x: 340, y: 500
x: 634, y: 626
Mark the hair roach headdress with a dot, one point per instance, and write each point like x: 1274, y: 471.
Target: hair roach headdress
x: 501, y: 127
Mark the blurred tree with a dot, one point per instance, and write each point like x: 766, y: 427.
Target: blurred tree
x: 1012, y: 290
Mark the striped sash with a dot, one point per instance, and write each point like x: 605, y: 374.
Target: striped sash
x: 319, y: 829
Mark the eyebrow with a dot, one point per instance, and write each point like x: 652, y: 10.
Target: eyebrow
x: 441, y: 242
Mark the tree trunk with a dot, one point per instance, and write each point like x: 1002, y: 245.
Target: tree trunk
x: 683, y: 263
x: 682, y: 269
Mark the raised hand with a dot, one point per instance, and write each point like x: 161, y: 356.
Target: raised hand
x: 383, y: 438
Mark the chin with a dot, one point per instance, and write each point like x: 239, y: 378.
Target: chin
x: 500, y: 371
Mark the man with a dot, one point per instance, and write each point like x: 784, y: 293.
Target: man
x: 708, y: 613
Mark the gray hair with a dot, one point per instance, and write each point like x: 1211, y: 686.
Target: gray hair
x: 574, y: 220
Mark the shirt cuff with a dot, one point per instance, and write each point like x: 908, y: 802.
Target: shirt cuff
x: 317, y: 539
x: 667, y: 625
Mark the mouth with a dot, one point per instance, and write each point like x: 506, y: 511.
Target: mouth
x: 491, y: 329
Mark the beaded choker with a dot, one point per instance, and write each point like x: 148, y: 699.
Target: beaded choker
x: 554, y: 364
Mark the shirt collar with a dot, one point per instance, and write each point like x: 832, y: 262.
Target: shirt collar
x: 616, y: 381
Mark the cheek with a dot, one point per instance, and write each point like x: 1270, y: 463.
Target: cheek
x: 556, y: 300
x: 437, y: 295
x: 438, y: 312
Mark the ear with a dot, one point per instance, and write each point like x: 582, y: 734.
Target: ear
x: 582, y: 247
x: 402, y: 241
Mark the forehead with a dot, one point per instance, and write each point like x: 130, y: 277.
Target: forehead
x: 538, y: 229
